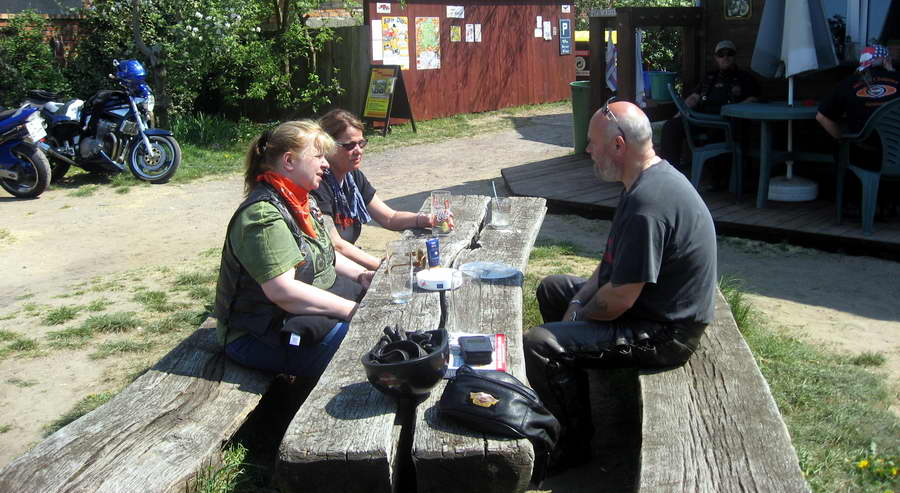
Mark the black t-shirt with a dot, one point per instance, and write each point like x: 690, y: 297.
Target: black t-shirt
x: 348, y: 229
x: 720, y: 88
x: 663, y: 235
x: 853, y: 101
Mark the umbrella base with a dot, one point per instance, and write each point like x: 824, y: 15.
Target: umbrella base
x: 796, y: 189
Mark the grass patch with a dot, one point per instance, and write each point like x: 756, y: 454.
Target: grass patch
x: 182, y: 320
x: 84, y: 191
x: 22, y: 345
x: 74, y: 337
x: 18, y: 382
x: 4, y: 428
x: 157, y: 301
x: 224, y: 478
x: 114, y: 348
x: 868, y: 359
x: 112, y: 322
x: 6, y: 236
x: 6, y: 335
x: 10, y: 315
x: 189, y: 279
x: 836, y: 412
x: 546, y: 250
x: 98, y: 305
x: 61, y: 315
x: 81, y: 408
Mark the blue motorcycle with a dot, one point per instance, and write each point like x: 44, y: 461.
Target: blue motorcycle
x: 110, y: 131
x: 24, y: 169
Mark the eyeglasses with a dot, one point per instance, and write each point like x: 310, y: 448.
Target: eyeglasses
x: 353, y: 143
x: 612, y: 116
x: 725, y: 53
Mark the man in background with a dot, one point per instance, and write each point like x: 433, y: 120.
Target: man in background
x: 726, y: 85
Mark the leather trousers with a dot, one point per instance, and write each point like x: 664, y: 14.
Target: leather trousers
x: 557, y: 354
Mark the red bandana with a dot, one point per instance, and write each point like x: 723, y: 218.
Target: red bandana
x: 296, y: 198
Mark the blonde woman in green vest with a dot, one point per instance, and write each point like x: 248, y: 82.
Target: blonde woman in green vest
x: 284, y: 296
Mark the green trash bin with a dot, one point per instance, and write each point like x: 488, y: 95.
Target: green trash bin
x: 659, y: 85
x: 581, y: 113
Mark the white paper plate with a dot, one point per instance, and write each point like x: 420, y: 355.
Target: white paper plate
x: 438, y: 279
x: 490, y: 270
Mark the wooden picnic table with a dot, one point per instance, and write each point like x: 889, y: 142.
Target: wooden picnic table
x: 347, y: 436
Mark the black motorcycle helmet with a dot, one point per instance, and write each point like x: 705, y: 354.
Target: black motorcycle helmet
x: 408, y: 364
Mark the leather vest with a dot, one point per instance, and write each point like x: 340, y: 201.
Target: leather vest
x: 240, y: 301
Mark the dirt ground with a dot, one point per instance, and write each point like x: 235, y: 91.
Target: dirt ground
x: 49, y: 244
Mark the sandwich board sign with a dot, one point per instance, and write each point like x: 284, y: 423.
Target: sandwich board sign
x: 386, y: 97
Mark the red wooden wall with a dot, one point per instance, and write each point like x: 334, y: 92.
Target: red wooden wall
x: 509, y: 67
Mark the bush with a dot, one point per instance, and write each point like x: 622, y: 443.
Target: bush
x: 26, y: 60
x: 212, y: 49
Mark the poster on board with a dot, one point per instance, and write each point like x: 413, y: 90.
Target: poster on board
x: 378, y: 95
x: 456, y: 11
x: 470, y: 33
x: 395, y: 41
x: 455, y: 34
x: 386, y: 97
x: 477, y: 33
x: 377, y: 47
x: 428, y: 43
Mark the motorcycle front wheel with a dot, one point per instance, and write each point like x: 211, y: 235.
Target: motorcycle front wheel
x: 34, y: 175
x: 158, y: 166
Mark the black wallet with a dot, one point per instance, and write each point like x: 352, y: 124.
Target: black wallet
x: 476, y: 350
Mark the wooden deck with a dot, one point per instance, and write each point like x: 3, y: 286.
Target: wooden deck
x: 569, y: 185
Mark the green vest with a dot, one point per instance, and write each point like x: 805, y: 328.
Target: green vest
x: 241, y: 306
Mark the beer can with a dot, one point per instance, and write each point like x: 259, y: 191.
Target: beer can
x: 434, y: 252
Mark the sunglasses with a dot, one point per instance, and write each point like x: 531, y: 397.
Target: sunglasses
x: 725, y: 53
x: 612, y: 116
x: 353, y: 143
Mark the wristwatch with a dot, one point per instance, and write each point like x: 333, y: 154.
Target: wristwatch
x: 576, y: 301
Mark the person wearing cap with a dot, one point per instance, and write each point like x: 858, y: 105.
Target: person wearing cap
x: 725, y: 85
x: 850, y: 105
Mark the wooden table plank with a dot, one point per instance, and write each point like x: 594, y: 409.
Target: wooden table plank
x: 343, y: 438
x: 447, y: 456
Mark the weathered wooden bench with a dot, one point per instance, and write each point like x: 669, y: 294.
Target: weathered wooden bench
x: 712, y: 425
x: 155, y: 435
x: 349, y: 437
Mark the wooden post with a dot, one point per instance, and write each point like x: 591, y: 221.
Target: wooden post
x: 598, y: 63
x: 626, y: 64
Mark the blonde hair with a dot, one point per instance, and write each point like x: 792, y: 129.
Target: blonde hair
x: 294, y: 136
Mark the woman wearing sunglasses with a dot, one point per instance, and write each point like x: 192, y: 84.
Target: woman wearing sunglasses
x: 348, y: 197
x: 284, y: 296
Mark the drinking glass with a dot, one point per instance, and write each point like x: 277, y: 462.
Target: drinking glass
x: 500, y: 212
x: 466, y: 301
x: 400, y: 270
x: 440, y: 207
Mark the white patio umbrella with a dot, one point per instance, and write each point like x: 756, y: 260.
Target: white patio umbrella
x: 793, y: 38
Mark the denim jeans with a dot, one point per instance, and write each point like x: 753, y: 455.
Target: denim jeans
x: 305, y: 360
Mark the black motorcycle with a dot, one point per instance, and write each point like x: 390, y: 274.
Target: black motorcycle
x: 110, y: 131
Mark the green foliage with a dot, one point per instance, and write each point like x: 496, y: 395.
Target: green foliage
x: 224, y: 478
x: 111, y: 322
x: 220, y: 50
x: 26, y: 61
x: 868, y: 359
x: 661, y: 47
x: 61, y: 315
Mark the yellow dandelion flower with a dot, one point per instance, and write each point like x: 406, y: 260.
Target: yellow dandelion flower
x: 863, y: 464
x: 894, y: 471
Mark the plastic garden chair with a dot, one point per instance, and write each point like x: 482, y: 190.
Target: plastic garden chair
x: 701, y: 153
x: 886, y: 122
